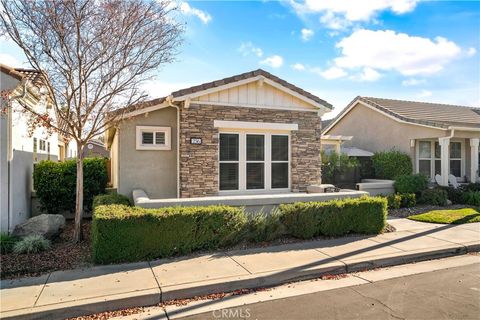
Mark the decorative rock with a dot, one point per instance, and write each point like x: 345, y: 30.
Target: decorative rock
x: 449, y: 202
x: 46, y: 225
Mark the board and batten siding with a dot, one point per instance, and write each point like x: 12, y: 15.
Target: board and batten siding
x: 254, y: 94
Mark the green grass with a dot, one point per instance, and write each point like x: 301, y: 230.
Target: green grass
x: 456, y: 216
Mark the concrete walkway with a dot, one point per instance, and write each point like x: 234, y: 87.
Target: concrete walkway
x: 63, y: 294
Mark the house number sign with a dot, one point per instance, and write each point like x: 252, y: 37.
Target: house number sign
x: 195, y: 140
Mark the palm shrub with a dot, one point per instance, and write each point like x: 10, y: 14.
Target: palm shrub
x: 31, y: 244
x: 391, y: 164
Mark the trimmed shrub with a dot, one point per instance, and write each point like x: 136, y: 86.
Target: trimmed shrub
x: 31, y: 244
x: 435, y: 197
x: 391, y: 164
x: 394, y: 201
x: 471, y: 198
x: 55, y: 183
x: 123, y: 233
x: 265, y: 227
x: 412, y: 183
x: 408, y: 200
x: 7, y: 242
x: 337, y: 217
x: 110, y: 198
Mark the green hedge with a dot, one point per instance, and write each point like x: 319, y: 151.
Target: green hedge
x: 123, y: 233
x: 110, y: 198
x: 412, y: 183
x: 337, y: 217
x: 55, y: 183
x: 391, y: 164
x: 401, y: 200
x: 434, y: 197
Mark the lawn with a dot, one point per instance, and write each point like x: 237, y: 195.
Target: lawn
x: 455, y: 216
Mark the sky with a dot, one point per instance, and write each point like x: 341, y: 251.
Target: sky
x: 335, y: 49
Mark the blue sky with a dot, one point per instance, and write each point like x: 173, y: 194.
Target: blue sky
x: 405, y: 49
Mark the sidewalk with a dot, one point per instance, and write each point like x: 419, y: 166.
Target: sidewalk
x: 63, y: 294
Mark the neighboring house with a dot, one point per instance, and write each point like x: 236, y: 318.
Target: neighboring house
x: 441, y: 139
x: 19, y: 149
x: 247, y: 134
x: 95, y: 149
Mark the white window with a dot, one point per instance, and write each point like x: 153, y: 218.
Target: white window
x: 153, y: 138
x: 429, y: 158
x: 251, y: 162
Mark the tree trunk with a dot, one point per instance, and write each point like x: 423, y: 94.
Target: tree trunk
x: 77, y: 233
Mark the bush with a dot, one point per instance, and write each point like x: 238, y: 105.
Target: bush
x: 123, y: 233
x: 110, y: 198
x: 55, y: 183
x: 265, y: 227
x: 412, y: 183
x: 391, y: 164
x: 394, y: 201
x: 435, y: 197
x: 7, y: 242
x: 337, y: 217
x: 334, y: 164
x: 471, y: 198
x: 453, y: 194
x: 471, y: 187
x: 31, y: 244
x: 401, y: 200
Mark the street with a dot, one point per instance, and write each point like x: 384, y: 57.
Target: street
x: 445, y: 294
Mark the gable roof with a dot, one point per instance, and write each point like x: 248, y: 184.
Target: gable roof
x: 34, y: 76
x: 183, y: 93
x: 435, y: 115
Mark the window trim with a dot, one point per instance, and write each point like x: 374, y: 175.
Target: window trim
x: 166, y: 130
x: 242, y: 162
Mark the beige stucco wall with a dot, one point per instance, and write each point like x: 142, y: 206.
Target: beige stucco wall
x: 114, y: 161
x: 154, y: 171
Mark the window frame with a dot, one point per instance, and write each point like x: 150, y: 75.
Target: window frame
x: 433, y: 158
x: 242, y: 161
x: 154, y: 129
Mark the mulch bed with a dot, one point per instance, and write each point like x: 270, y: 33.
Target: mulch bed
x: 406, y: 212
x: 63, y: 254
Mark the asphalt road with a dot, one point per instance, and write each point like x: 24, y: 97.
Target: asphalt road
x: 445, y: 294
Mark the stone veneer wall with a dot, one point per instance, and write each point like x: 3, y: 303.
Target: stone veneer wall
x: 199, y: 163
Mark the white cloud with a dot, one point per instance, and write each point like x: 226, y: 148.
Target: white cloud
x: 331, y: 73
x: 247, y: 48
x: 425, y: 94
x: 413, y: 82
x: 188, y: 10
x: 368, y: 74
x: 298, y: 67
x: 307, y: 34
x: 388, y: 50
x: 471, y: 52
x: 338, y: 14
x: 274, y: 61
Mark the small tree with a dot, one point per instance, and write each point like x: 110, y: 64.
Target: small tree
x: 94, y: 55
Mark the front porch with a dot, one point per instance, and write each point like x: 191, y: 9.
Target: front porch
x: 457, y: 155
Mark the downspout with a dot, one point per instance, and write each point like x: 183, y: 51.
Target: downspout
x: 169, y: 101
x: 10, y: 148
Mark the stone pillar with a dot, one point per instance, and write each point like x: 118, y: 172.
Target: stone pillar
x: 444, y: 158
x: 474, y: 142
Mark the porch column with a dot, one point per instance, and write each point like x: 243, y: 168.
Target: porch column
x: 444, y: 156
x: 474, y: 159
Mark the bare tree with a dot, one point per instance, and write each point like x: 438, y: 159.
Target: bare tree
x: 95, y: 56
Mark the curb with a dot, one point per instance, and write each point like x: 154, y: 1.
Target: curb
x: 155, y: 296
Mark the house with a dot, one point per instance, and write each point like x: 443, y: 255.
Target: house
x: 247, y: 134
x: 440, y: 138
x: 95, y: 149
x: 20, y: 147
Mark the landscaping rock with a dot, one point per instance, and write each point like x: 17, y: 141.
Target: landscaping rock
x: 46, y: 225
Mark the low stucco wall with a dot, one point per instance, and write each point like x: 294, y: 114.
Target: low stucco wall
x: 376, y: 187
x: 252, y: 203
